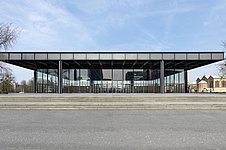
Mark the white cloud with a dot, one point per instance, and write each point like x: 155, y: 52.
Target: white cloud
x: 45, y: 25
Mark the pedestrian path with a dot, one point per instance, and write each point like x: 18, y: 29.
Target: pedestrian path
x: 113, y: 105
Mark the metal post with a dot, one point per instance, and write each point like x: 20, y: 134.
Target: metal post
x: 47, y: 83
x: 162, y: 81
x: 112, y: 74
x: 186, y: 81
x: 35, y: 81
x: 60, y: 77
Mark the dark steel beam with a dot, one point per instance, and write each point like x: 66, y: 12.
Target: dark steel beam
x: 144, y: 64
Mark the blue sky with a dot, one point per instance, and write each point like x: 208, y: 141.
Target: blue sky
x: 117, y: 25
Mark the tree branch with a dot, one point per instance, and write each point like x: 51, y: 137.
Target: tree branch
x: 8, y: 35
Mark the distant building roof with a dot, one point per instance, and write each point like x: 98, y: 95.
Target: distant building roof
x: 218, y: 77
x: 208, y: 76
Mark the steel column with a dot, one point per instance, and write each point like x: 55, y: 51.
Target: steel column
x: 35, y: 81
x: 186, y: 81
x: 162, y: 74
x: 60, y: 77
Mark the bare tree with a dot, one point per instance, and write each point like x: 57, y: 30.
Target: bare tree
x: 222, y: 69
x: 224, y: 44
x: 8, y: 35
x: 222, y: 66
x: 6, y: 80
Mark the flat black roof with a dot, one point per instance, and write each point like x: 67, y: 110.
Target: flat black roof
x: 117, y: 60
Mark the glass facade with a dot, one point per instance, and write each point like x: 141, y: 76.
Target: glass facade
x: 175, y: 81
x: 47, y: 81
x: 110, y: 81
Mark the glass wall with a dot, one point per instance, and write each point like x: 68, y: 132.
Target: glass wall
x: 110, y: 81
x: 47, y: 81
x: 174, y: 81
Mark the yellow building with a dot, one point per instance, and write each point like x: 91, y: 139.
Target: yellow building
x: 209, y: 84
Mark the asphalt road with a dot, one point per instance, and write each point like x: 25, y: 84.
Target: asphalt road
x: 112, y: 129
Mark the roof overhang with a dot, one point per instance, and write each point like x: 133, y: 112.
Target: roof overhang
x: 107, y: 60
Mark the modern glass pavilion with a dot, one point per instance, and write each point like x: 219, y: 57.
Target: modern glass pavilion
x: 111, y: 72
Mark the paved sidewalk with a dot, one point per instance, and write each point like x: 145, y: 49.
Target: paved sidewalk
x: 112, y: 103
